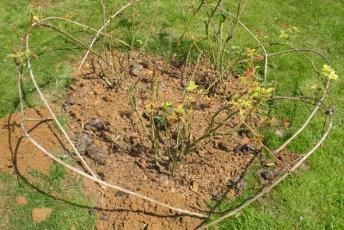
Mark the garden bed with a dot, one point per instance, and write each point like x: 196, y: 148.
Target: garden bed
x: 108, y: 132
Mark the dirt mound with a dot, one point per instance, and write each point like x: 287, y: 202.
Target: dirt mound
x: 107, y: 132
x: 101, y: 118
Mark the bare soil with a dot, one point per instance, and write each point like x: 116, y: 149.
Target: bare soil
x: 107, y: 133
x: 17, y: 153
x: 39, y: 215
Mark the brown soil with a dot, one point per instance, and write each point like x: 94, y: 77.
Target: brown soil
x: 103, y: 119
x: 107, y: 132
x: 18, y: 154
x: 21, y: 200
x: 40, y: 214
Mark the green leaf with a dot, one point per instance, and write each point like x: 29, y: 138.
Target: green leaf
x: 180, y: 109
x: 329, y: 72
x: 192, y: 86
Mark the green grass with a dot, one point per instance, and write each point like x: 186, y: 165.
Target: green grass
x: 313, y: 200
x: 53, y: 190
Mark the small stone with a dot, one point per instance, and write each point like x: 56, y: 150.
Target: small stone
x: 243, y: 149
x: 222, y: 146
x: 131, y: 138
x: 101, y: 175
x: 136, y: 149
x: 39, y: 215
x: 216, y: 197
x: 237, y: 183
x: 97, y: 124
x: 116, y: 147
x: 93, y: 211
x: 245, y: 140
x: 135, y: 69
x: 121, y: 194
x: 97, y: 154
x: 21, y: 200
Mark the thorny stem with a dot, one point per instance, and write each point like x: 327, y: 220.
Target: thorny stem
x: 100, y: 31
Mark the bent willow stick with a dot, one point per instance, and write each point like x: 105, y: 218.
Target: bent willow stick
x: 275, y: 182
x: 319, y: 104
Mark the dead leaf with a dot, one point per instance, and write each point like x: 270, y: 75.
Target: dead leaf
x: 250, y: 72
x: 269, y: 163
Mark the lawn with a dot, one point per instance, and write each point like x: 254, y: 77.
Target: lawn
x: 311, y: 199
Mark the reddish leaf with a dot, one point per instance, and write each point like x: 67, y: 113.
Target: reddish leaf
x: 250, y: 72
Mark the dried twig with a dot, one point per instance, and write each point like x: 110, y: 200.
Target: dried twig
x: 100, y: 31
x: 292, y: 167
x: 256, y: 39
x: 305, y: 124
x: 106, y: 184
x: 84, y: 163
x: 275, y: 182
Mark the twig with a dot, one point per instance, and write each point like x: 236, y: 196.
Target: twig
x: 261, y: 143
x: 289, y: 51
x: 275, y: 182
x: 100, y: 30
x: 83, y: 26
x: 51, y: 111
x: 305, y: 123
x: 257, y: 40
x: 106, y: 184
x: 302, y: 99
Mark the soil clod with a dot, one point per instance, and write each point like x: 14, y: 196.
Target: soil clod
x: 245, y: 149
x: 39, y: 215
x: 21, y: 200
x: 97, y: 154
x: 267, y: 174
x: 237, y: 183
x: 97, y: 124
x: 83, y: 141
x: 136, y: 69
